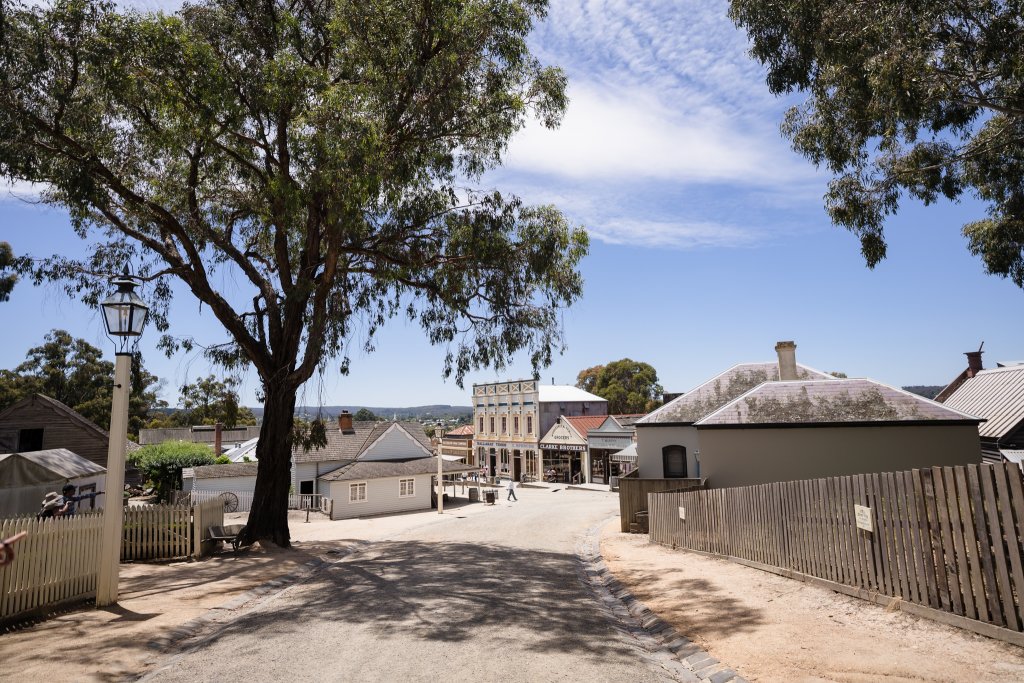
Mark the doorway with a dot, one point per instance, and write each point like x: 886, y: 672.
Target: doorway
x: 517, y: 465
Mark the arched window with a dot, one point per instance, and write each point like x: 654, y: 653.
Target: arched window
x: 673, y: 459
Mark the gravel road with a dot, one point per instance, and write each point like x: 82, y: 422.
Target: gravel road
x: 482, y: 596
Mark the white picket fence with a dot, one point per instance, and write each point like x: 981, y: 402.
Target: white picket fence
x: 296, y: 501
x: 58, y: 561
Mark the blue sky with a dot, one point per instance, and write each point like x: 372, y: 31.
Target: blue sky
x: 709, y: 241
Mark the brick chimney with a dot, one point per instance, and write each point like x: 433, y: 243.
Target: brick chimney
x: 218, y: 433
x: 974, y: 365
x: 787, y: 360
x: 345, y: 421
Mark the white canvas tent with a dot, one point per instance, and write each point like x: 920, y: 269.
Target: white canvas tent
x: 26, y: 477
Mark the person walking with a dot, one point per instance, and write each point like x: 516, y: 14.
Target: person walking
x: 511, y: 488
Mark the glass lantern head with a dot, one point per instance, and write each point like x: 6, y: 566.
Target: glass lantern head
x: 124, y: 313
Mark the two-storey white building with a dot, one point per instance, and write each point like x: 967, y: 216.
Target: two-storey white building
x: 511, y: 417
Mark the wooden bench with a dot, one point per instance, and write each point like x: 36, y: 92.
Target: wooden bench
x: 225, y: 533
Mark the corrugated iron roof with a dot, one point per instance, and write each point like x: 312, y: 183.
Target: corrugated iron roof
x: 830, y: 401
x: 376, y: 469
x: 584, y: 423
x: 996, y: 395
x: 464, y: 430
x: 565, y: 393
x: 720, y: 389
x: 349, y: 446
x: 234, y: 469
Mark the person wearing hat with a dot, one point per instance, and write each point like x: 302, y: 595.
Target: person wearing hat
x: 69, y: 501
x: 52, y: 502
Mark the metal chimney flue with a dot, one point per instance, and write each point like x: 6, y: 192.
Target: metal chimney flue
x: 786, y: 351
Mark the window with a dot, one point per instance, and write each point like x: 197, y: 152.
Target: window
x: 481, y: 429
x: 515, y: 424
x: 529, y: 424
x: 406, y: 488
x: 673, y: 459
x: 504, y: 425
x: 492, y: 425
x: 306, y: 488
x: 30, y: 440
x: 357, y: 493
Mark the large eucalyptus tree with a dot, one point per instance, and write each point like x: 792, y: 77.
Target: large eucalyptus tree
x: 320, y: 156
x: 905, y: 98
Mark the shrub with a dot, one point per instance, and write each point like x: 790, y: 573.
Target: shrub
x: 222, y: 460
x: 162, y: 463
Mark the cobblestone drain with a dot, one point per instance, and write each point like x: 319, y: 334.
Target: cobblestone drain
x: 637, y: 625
x: 180, y: 639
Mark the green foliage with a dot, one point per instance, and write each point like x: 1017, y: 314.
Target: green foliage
x: 926, y: 390
x: 162, y: 463
x: 364, y: 414
x: 8, y: 277
x: 308, y: 435
x: 306, y: 170
x: 629, y: 386
x: 75, y: 373
x: 208, y: 401
x: 918, y: 99
x: 838, y: 374
x: 222, y: 460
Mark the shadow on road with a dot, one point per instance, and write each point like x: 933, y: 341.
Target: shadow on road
x: 450, y: 592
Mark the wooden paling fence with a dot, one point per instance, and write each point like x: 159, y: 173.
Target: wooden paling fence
x: 633, y: 494
x: 948, y: 539
x: 59, y: 559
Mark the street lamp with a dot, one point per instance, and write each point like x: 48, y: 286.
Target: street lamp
x: 124, y: 314
x: 439, y: 433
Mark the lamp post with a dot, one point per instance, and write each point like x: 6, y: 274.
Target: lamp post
x: 439, y: 433
x: 124, y: 314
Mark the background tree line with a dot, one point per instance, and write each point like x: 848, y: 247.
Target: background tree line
x: 74, y: 372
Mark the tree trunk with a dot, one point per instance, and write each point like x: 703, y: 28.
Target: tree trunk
x: 268, y: 518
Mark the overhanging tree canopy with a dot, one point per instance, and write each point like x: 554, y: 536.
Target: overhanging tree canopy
x: 314, y: 154
x: 924, y: 99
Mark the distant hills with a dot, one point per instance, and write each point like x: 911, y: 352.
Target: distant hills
x: 925, y: 390
x: 432, y: 412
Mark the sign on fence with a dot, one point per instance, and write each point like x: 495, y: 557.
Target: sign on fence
x: 682, y: 512
x: 863, y: 515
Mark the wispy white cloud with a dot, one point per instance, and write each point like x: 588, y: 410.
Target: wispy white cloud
x: 671, y: 138
x: 672, y: 234
x: 20, y: 191
x: 632, y: 134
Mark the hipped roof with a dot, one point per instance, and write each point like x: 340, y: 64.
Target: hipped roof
x: 720, y: 390
x: 832, y: 401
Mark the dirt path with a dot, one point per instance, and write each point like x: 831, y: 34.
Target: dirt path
x: 769, y: 628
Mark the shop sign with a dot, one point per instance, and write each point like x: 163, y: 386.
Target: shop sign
x: 561, y: 447
x: 616, y: 442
